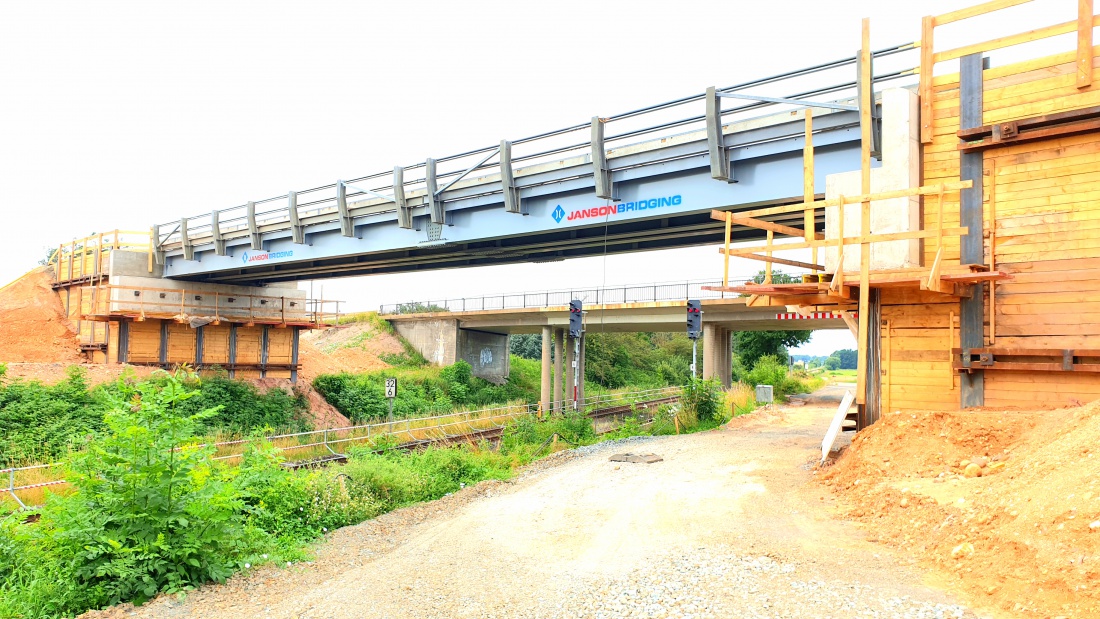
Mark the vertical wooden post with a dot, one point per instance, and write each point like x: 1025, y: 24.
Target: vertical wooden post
x: 726, y: 267
x: 926, y: 63
x: 992, y: 250
x: 1084, y: 43
x: 866, y: 101
x: 768, y: 264
x: 808, y: 192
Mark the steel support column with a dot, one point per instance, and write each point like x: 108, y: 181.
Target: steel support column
x: 546, y: 386
x: 971, y: 215
x: 559, y: 346
x: 294, y: 354
x: 570, y: 360
x: 232, y: 349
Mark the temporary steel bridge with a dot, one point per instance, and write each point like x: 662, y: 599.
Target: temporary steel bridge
x: 642, y: 180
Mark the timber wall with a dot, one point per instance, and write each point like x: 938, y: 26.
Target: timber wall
x: 1041, y: 203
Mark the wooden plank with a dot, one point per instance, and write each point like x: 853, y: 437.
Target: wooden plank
x: 780, y: 228
x: 948, y: 187
x: 991, y: 199
x: 835, y: 425
x: 851, y: 240
x: 974, y: 11
x: 1084, y: 43
x: 726, y: 265
x: 808, y: 188
x: 1008, y: 41
x: 1077, y: 128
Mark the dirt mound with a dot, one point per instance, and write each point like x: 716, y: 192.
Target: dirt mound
x: 33, y: 325
x: 356, y: 347
x: 1022, y: 537
x: 322, y: 414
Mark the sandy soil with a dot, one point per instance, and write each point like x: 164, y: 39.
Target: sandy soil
x: 351, y: 348
x: 33, y: 325
x: 725, y: 526
x: 1023, y: 539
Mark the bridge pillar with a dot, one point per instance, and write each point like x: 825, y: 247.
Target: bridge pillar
x: 559, y: 350
x: 717, y: 354
x: 580, y: 374
x: 544, y: 401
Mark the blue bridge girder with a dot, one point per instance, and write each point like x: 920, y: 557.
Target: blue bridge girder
x: 657, y: 194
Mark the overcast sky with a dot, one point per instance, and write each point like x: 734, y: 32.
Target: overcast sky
x: 122, y: 114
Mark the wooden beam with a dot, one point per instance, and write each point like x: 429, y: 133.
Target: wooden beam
x: 865, y: 103
x: 726, y: 266
x: 1084, y: 43
x: 720, y: 215
x: 992, y: 248
x: 774, y: 227
x: 1023, y: 137
x: 1015, y: 39
x: 783, y: 261
x: 1033, y: 122
x: 927, y: 62
x: 882, y: 237
x: 808, y: 193
x: 974, y: 11
x: 852, y: 322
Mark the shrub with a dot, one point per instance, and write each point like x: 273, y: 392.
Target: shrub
x: 43, y: 422
x: 769, y: 371
x: 151, y: 511
x: 701, y: 402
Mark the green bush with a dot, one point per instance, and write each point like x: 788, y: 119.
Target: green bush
x: 769, y: 371
x: 43, y: 422
x: 702, y: 400
x: 424, y: 392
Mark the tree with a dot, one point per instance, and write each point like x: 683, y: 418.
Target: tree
x: 751, y: 345
x: 832, y: 363
x: 849, y: 360
x: 527, y: 345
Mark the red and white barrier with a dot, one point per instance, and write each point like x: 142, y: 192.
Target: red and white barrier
x: 811, y: 316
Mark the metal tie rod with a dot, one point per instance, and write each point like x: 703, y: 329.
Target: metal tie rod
x: 798, y: 102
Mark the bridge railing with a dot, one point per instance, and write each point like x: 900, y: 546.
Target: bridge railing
x: 376, y: 196
x: 605, y: 295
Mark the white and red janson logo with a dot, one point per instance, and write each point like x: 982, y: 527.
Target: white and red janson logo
x: 615, y: 209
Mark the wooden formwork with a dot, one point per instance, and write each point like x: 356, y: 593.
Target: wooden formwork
x: 1026, y: 252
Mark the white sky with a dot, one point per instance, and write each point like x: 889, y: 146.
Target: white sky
x: 122, y: 114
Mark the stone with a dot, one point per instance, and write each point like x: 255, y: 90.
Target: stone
x: 904, y: 501
x: 980, y: 461
x: 636, y: 458
x: 1094, y: 525
x: 972, y: 470
x: 964, y: 464
x: 995, y: 467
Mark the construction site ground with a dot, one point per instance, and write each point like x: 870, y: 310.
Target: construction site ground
x: 736, y: 522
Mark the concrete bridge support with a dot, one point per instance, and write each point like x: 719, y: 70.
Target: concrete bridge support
x: 443, y: 342
x: 717, y: 354
x: 547, y: 365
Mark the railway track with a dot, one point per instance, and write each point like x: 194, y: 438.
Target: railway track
x: 490, y: 434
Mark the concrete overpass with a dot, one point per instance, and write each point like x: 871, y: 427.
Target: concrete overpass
x: 481, y: 336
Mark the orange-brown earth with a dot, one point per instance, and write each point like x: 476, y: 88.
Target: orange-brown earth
x: 1022, y: 539
x: 33, y: 325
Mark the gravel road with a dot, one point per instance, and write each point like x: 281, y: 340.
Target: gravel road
x: 726, y: 525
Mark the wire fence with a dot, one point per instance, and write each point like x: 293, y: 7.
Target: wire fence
x: 604, y: 295
x: 26, y: 485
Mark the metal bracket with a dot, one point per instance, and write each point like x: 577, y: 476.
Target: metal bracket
x: 985, y: 359
x: 720, y: 168
x: 404, y: 213
x: 297, y: 230
x: 254, y: 235
x: 188, y: 248
x: 875, y: 115
x: 435, y: 205
x: 216, y: 232
x: 600, y: 170
x: 347, y: 227
x: 158, y: 249
x: 512, y: 203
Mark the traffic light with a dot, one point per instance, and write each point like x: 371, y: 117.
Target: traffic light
x: 576, y: 318
x: 695, y: 319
